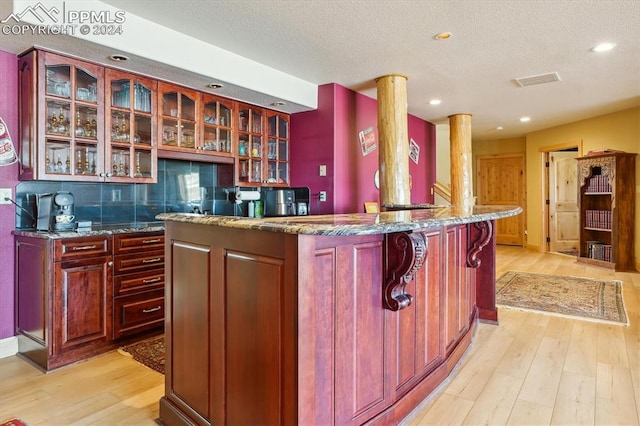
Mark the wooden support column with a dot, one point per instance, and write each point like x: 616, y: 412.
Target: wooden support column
x: 461, y: 160
x: 393, y: 151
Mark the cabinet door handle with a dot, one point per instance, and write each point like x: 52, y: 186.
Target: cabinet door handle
x: 157, y: 240
x: 147, y: 311
x: 84, y: 248
x: 155, y: 259
x: 152, y: 280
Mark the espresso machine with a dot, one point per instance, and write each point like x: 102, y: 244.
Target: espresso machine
x: 54, y: 212
x: 62, y: 215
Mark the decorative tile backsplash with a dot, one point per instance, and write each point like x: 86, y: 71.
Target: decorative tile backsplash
x: 183, y: 186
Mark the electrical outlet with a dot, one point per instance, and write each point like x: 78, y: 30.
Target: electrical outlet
x: 323, y: 195
x: 116, y: 195
x: 5, y: 192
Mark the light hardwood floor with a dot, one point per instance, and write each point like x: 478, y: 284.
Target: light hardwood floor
x: 529, y: 370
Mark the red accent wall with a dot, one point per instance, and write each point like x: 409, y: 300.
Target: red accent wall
x: 329, y: 136
x: 8, y: 179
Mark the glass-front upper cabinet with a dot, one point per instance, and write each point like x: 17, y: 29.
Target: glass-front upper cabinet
x: 277, y: 148
x: 217, y: 114
x: 178, y: 108
x: 251, y: 145
x: 66, y: 121
x: 131, y: 103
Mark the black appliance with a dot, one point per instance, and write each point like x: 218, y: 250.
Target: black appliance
x: 54, y: 212
x: 286, y: 202
x: 280, y: 202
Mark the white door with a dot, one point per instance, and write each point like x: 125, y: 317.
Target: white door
x: 564, y: 223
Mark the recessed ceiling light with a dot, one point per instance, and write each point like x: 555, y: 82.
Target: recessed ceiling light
x: 118, y: 58
x: 435, y: 102
x: 525, y: 119
x: 499, y: 128
x: 278, y: 103
x: 603, y: 47
x: 443, y: 36
x: 214, y: 86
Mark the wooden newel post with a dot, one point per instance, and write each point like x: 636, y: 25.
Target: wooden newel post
x: 393, y: 152
x: 461, y: 160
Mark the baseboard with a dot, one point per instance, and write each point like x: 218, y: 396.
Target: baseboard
x: 8, y: 346
x: 534, y: 247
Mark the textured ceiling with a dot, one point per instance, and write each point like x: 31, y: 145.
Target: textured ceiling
x: 352, y: 42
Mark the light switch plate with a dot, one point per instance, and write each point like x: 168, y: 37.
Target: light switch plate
x: 5, y: 192
x: 322, y: 170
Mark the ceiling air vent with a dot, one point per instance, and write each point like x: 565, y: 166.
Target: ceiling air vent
x: 537, y: 79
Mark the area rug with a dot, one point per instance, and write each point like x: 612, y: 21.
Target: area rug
x: 13, y: 422
x: 572, y: 297
x: 149, y: 352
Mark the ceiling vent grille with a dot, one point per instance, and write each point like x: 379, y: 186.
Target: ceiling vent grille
x: 532, y: 80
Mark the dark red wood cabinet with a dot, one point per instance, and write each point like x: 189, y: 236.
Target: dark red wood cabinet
x: 291, y: 329
x: 65, y: 298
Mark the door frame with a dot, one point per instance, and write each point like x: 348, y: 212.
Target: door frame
x: 543, y: 154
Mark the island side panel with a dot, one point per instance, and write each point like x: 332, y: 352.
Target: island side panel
x: 343, y: 375
x: 415, y: 332
x: 486, y: 277
x: 231, y: 300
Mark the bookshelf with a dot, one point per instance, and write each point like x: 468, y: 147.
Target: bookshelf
x: 607, y: 209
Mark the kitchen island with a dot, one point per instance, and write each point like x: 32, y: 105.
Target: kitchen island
x: 318, y: 320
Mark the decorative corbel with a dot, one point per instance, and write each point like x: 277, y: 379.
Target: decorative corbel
x: 404, y: 255
x: 474, y: 247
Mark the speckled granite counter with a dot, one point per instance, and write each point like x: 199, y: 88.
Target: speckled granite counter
x: 354, y: 224
x: 106, y: 229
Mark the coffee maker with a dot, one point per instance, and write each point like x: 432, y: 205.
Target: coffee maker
x: 280, y: 202
x: 62, y: 215
x: 54, y: 212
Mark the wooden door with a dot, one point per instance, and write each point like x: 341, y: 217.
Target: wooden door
x: 501, y: 181
x: 564, y: 228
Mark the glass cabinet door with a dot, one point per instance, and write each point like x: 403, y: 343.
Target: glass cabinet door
x: 178, y: 108
x: 217, y: 125
x: 73, y: 142
x: 130, y: 124
x: 278, y: 148
x: 250, y: 145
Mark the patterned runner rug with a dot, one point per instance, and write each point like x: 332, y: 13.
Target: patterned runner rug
x: 573, y: 297
x: 149, y: 352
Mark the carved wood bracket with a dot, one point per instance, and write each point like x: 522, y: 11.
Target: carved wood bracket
x: 605, y: 164
x: 475, y: 246
x: 404, y: 254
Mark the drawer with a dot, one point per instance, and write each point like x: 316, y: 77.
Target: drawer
x: 75, y: 248
x: 137, y: 313
x: 133, y: 283
x: 135, y: 243
x: 130, y: 263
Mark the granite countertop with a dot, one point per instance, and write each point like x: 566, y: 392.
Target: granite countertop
x: 356, y: 223
x: 96, y: 229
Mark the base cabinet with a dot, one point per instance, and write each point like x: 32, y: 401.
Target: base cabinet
x: 292, y: 329
x: 65, y: 300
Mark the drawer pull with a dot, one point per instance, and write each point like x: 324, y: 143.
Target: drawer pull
x: 152, y: 280
x: 147, y: 311
x: 157, y: 240
x: 154, y: 260
x: 84, y: 248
